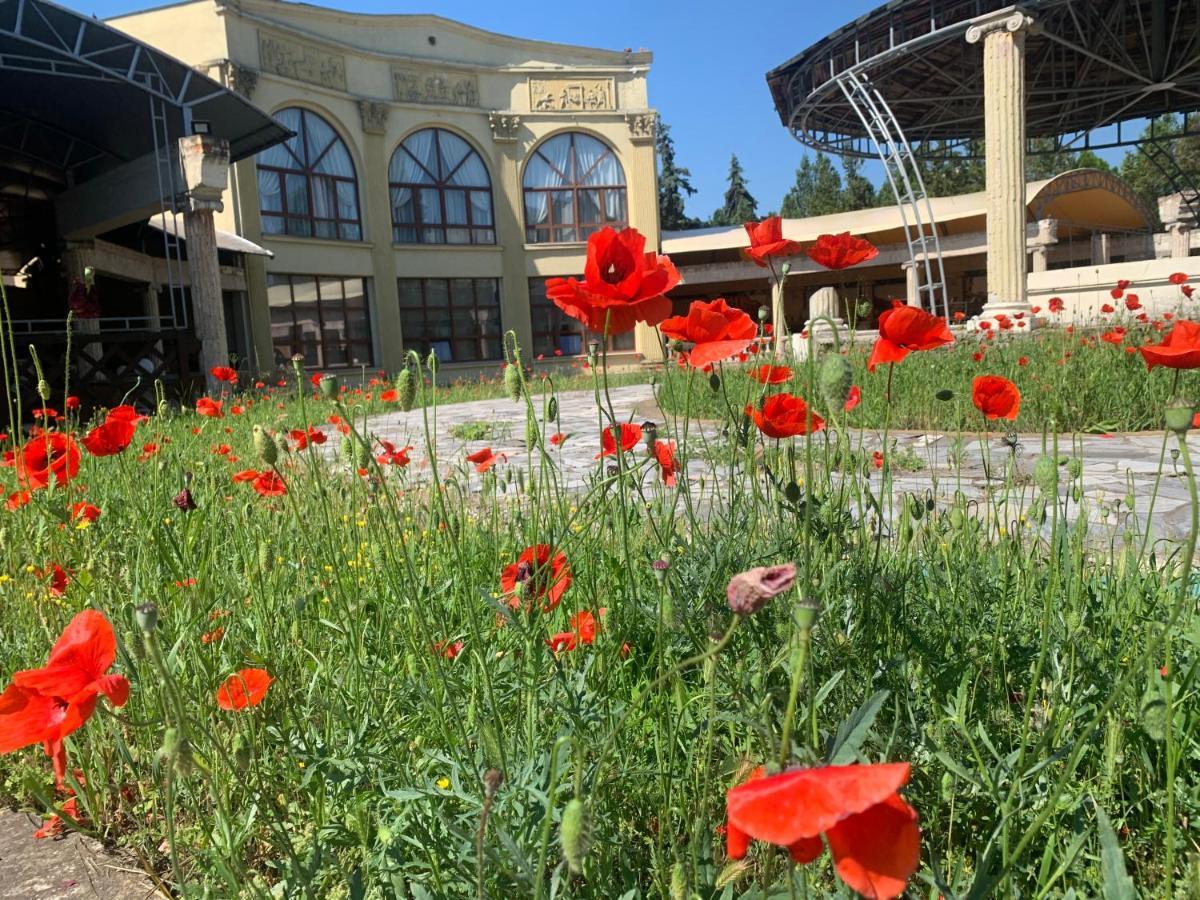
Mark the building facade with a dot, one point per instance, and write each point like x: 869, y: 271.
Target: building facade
x: 438, y: 175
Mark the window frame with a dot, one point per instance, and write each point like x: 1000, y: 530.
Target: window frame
x: 538, y: 297
x: 574, y: 184
x: 426, y: 343
x: 308, y: 173
x: 323, y: 343
x: 442, y: 186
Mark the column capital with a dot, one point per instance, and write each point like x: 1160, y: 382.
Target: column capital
x: 374, y: 116
x: 505, y: 126
x: 204, y: 160
x: 1011, y: 20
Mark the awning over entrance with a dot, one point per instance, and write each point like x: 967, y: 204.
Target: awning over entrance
x: 226, y: 240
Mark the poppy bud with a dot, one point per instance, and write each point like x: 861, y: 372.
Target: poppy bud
x: 431, y: 363
x: 512, y: 381
x: 1075, y: 466
x: 298, y: 366
x: 241, y: 753
x: 265, y: 446
x: 1045, y: 474
x: 281, y: 442
x: 660, y: 567
x: 146, y: 616
x: 552, y: 409
x: 492, y: 779
x: 575, y: 834
x: 356, y: 453
x: 714, y: 382
x: 835, y: 380
x: 406, y: 388
x: 183, y: 501
x: 749, y: 591
x: 329, y: 387
x: 1179, y: 415
x: 266, y: 559
x: 786, y: 268
x: 163, y: 409
x: 945, y: 395
x: 170, y: 745
x: 43, y: 389
x: 679, y: 883
x: 650, y: 436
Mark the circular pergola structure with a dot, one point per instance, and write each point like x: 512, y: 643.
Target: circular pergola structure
x: 952, y: 75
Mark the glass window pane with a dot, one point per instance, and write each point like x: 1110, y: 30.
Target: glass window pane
x: 454, y: 150
x: 324, y: 228
x: 471, y: 172
x: 360, y: 354
x: 431, y: 206
x: 347, y: 200
x: 437, y: 294
x: 269, y: 192
x: 589, y: 206
x: 410, y: 292
x: 336, y: 355
x: 351, y: 232
x: 336, y: 161
x: 301, y: 227
x: 462, y: 292
x: 564, y: 207
x: 614, y: 206
x: 481, y: 208
x: 456, y: 207
x: 539, y: 173
x: 466, y: 350
x: 404, y: 209
x: 418, y: 163
x: 537, y: 208
x: 272, y: 225
x: 297, y: 194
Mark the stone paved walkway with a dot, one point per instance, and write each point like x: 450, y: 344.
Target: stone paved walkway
x: 1115, y: 467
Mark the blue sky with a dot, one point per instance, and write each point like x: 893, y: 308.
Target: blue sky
x: 710, y: 59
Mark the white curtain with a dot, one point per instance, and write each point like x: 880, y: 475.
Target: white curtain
x: 419, y: 164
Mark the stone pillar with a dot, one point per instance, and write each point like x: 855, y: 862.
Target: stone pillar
x: 205, y: 163
x: 1046, y: 237
x: 825, y: 304
x: 376, y: 197
x: 1101, y: 249
x: 912, y: 283
x: 1003, y: 37
x: 1179, y: 220
x: 779, y: 315
x: 641, y: 168
x: 509, y: 200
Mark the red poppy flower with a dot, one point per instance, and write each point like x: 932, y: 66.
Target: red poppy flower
x: 85, y: 511
x: 766, y: 240
x: 783, y: 416
x: 717, y: 330
x: 996, y: 397
x: 1188, y: 290
x: 664, y: 452
x: 17, y: 499
x: 630, y: 435
x: 622, y: 284
x: 1180, y: 350
x: 903, y: 329
x: 210, y: 408
x: 314, y: 379
x: 212, y: 637
x: 1123, y: 283
x: 871, y: 831
x: 222, y: 449
x: 236, y: 410
x: 771, y: 374
x: 224, y: 373
x: 269, y: 484
x: 1115, y: 337
x: 448, y: 649
x: 959, y: 315
x: 109, y: 438
x: 245, y: 475
x: 1117, y: 293
x: 540, y: 573
x: 563, y: 640
x: 48, y: 455
x: 877, y: 459
x: 585, y: 626
x: 45, y: 413
x: 841, y: 251
x: 1132, y: 303
x: 59, y: 578
x: 306, y: 436
x: 853, y: 398
x: 43, y: 706
x: 1179, y: 278
x: 1056, y: 304
x: 1023, y: 361
x: 391, y: 456
x: 484, y: 459
x: 245, y: 688
x: 557, y: 438
x: 1108, y: 309
x: 985, y: 325
x: 72, y: 403
x: 389, y: 396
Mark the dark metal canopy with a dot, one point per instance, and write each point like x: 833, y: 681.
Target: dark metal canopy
x: 79, y: 97
x: 1089, y: 64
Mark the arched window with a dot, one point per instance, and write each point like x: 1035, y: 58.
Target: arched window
x: 574, y: 186
x: 307, y: 186
x: 440, y: 191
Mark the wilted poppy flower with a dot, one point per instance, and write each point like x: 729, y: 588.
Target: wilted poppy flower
x: 1023, y: 361
x: 766, y: 240
x: 184, y: 501
x: 48, y: 455
x: 484, y: 459
x: 212, y: 637
x: 664, y: 452
x: 540, y: 574
x: 224, y: 373
x: 853, y: 398
x: 717, y: 330
x: 631, y: 434
x: 269, y: 484
x: 43, y: 706
x: 1056, y: 304
x: 1180, y: 349
x: 749, y: 591
x: 871, y: 831
x: 841, y: 251
x: 903, y: 329
x: 583, y: 631
x: 246, y: 687
x: 210, y: 408
x: 85, y: 511
x: 783, y: 416
x: 996, y: 397
x: 771, y: 374
x: 622, y: 284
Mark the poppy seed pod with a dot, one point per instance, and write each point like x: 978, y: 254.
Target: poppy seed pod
x: 835, y: 380
x: 512, y: 381
x: 1045, y: 474
x: 406, y: 388
x: 298, y: 366
x: 749, y: 591
x: 329, y: 387
x: 764, y: 313
x: 1180, y: 411
x: 575, y: 834
x: 264, y: 446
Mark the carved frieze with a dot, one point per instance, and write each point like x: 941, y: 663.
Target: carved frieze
x: 374, y: 116
x: 643, y: 127
x: 303, y: 62
x: 505, y: 127
x: 433, y: 86
x: 550, y: 94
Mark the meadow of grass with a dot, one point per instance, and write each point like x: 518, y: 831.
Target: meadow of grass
x: 424, y: 734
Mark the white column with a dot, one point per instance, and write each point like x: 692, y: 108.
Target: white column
x: 1047, y: 237
x: 913, y: 284
x: 1101, y: 249
x: 1003, y: 37
x: 205, y: 163
x: 1179, y: 221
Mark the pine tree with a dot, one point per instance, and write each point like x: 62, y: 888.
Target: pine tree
x: 858, y: 192
x: 673, y: 183
x: 817, y: 191
x: 739, y: 207
x: 950, y: 171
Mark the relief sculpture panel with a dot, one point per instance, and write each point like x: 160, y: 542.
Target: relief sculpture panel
x: 303, y: 62
x: 448, y: 88
x: 546, y: 94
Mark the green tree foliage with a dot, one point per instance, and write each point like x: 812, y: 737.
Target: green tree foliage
x: 1165, y: 167
x: 674, y: 182
x: 857, y: 192
x: 817, y: 191
x: 948, y: 171
x: 739, y: 206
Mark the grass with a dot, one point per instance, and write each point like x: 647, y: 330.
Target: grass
x: 478, y: 431
x: 1039, y: 685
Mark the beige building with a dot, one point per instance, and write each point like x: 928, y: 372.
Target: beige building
x: 437, y: 176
